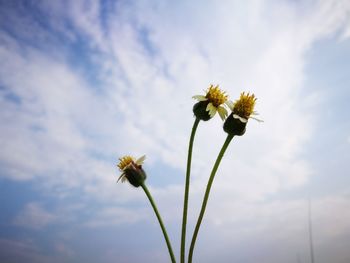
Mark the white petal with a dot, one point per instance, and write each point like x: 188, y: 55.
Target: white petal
x: 211, y: 109
x: 140, y: 160
x: 222, y: 112
x: 209, y: 106
x: 229, y: 104
x: 240, y: 118
x: 256, y: 119
x: 200, y: 98
x: 121, y: 177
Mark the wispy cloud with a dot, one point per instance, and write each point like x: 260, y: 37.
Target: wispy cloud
x: 105, y: 79
x: 34, y: 216
x: 61, y: 123
x: 115, y: 216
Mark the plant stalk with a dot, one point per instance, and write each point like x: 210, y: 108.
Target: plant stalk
x: 310, y: 235
x: 171, y: 253
x: 187, y: 187
x: 206, y: 195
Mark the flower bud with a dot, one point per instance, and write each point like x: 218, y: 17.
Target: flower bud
x: 212, y: 102
x: 242, y: 110
x: 234, y: 126
x: 132, y: 170
x: 200, y: 110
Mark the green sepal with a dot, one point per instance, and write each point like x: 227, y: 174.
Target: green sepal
x: 135, y: 175
x: 234, y: 126
x: 200, y: 110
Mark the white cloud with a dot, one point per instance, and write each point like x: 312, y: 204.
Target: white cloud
x: 66, y: 131
x: 116, y: 216
x: 34, y: 216
x: 279, y: 226
x: 147, y: 106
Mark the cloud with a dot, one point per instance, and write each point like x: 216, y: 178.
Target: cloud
x: 147, y: 62
x: 62, y: 248
x: 21, y: 250
x: 252, y: 229
x: 34, y: 216
x: 116, y: 216
x: 62, y: 122
x: 49, y: 111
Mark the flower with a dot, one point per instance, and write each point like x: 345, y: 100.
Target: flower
x: 242, y: 110
x: 208, y: 105
x: 132, y: 170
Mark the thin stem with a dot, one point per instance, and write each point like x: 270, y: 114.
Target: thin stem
x: 144, y: 187
x: 187, y: 187
x: 310, y: 235
x: 206, y: 195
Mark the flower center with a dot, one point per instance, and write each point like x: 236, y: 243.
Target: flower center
x: 244, y: 106
x: 216, y: 96
x: 125, y: 161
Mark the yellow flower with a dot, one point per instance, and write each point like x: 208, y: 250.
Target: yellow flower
x: 132, y: 170
x: 242, y: 110
x: 211, y: 103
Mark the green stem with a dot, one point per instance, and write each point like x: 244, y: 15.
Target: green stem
x: 144, y: 187
x: 206, y: 195
x: 310, y: 235
x: 187, y: 188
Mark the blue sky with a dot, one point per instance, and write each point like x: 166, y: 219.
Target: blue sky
x: 85, y: 82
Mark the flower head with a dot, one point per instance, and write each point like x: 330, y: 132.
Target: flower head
x: 242, y: 110
x: 244, y: 106
x: 132, y: 170
x: 212, y: 102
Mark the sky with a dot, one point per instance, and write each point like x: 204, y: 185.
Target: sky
x: 83, y: 83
